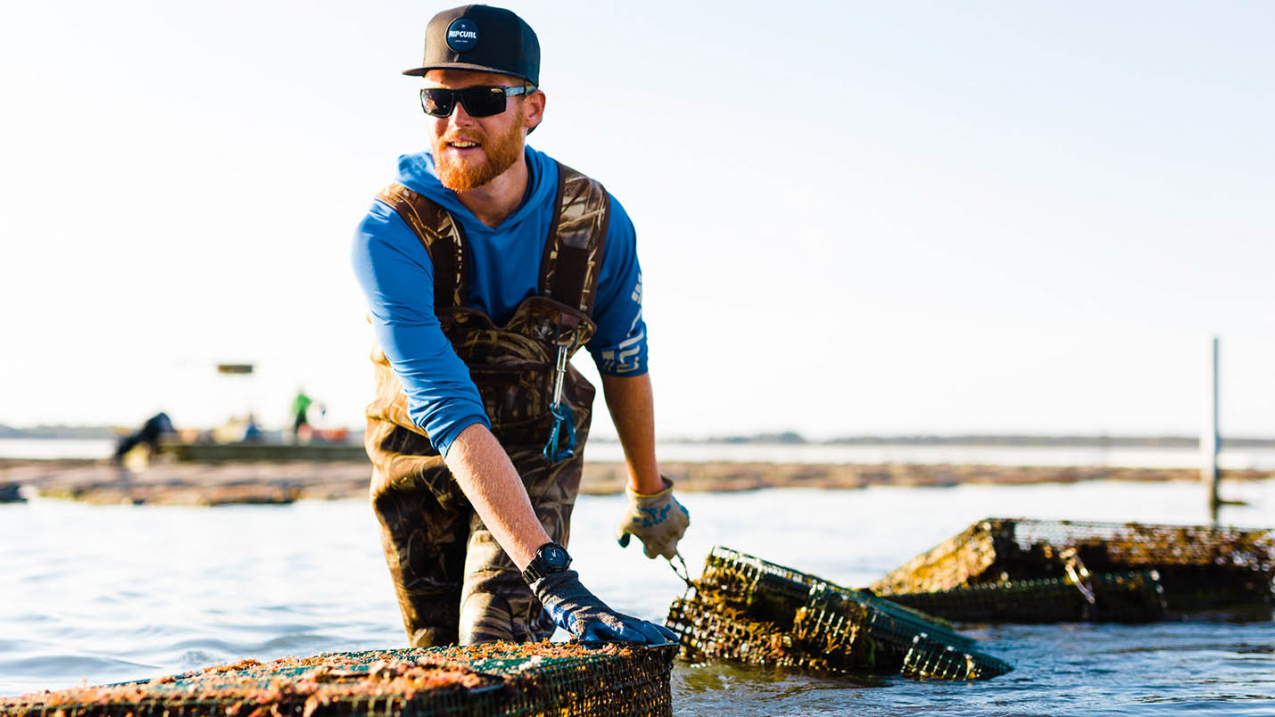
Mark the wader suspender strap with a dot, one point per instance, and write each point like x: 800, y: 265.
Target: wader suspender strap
x: 573, y: 253
x: 569, y: 275
x: 442, y: 239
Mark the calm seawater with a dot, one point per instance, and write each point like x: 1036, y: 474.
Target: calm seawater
x: 104, y: 594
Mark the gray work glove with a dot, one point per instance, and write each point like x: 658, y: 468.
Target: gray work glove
x: 581, y: 613
x: 659, y: 521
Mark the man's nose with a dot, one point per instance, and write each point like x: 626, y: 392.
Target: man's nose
x: 459, y: 117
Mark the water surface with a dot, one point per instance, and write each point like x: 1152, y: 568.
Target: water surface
x: 110, y: 593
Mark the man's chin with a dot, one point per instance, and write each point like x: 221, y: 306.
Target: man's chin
x: 461, y: 177
x: 462, y: 182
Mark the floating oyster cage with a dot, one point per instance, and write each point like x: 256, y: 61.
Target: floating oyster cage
x: 746, y: 609
x: 1131, y: 597
x: 476, y: 681
x: 1198, y: 569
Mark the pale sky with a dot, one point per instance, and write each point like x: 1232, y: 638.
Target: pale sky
x: 887, y: 217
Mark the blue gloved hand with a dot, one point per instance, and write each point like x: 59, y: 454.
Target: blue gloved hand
x: 582, y: 614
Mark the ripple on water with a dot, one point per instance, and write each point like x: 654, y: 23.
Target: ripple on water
x: 723, y: 688
x: 212, y: 645
x: 70, y: 665
x: 198, y: 659
x: 300, y: 643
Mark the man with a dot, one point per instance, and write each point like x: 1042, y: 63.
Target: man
x: 149, y: 435
x: 486, y: 265
x: 300, y: 418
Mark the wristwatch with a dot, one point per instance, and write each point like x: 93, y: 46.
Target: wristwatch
x: 550, y: 558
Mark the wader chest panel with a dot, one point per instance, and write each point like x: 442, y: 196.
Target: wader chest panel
x: 511, y: 365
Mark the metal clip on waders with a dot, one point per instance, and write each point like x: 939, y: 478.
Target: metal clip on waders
x: 561, y: 416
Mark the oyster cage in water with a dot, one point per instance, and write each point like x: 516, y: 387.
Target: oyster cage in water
x: 1131, y: 597
x: 749, y: 610
x: 1060, y: 571
x: 476, y: 681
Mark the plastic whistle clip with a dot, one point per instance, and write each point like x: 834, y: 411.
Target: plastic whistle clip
x: 562, y: 418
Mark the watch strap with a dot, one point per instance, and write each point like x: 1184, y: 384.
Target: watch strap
x: 539, y: 567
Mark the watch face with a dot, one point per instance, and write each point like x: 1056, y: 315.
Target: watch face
x: 555, y: 556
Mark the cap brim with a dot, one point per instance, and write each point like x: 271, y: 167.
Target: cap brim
x: 420, y: 71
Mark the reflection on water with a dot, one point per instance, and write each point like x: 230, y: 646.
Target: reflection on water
x: 114, y: 593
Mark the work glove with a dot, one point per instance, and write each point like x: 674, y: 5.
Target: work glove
x: 581, y: 613
x: 659, y: 521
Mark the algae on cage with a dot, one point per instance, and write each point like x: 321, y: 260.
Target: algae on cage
x: 1131, y: 597
x: 746, y: 609
x: 1199, y: 567
x: 497, y: 679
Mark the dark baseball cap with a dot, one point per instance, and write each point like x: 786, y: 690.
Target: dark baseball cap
x: 481, y: 38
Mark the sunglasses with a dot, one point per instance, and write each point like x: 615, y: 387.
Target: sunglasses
x: 478, y: 101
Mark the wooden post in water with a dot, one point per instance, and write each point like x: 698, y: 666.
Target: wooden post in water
x: 1210, y: 438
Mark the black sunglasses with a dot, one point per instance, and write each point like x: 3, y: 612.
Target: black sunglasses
x: 482, y: 101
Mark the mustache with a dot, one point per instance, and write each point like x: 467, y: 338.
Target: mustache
x: 479, y: 139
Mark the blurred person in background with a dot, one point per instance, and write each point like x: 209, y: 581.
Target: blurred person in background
x: 148, y: 435
x: 300, y: 417
x: 486, y: 265
x: 252, y: 431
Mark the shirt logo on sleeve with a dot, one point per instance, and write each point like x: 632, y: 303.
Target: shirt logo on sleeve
x: 627, y: 355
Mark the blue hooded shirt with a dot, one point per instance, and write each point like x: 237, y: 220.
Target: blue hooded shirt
x: 397, y: 277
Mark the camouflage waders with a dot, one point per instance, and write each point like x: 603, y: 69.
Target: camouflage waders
x: 454, y: 582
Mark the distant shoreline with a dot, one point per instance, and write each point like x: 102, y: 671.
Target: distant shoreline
x: 174, y: 483
x: 790, y: 438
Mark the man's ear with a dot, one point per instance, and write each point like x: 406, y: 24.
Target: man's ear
x: 533, y: 110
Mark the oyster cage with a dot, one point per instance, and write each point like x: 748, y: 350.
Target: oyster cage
x: 476, y: 681
x: 1130, y: 597
x: 1108, y: 565
x: 746, y: 609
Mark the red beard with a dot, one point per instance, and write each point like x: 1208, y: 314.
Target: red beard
x: 501, y: 153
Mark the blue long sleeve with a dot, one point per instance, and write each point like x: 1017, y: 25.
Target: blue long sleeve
x: 619, y: 347
x: 397, y: 278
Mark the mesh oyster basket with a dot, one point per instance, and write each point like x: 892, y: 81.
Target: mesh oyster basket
x: 476, y: 681
x: 1130, y: 597
x: 750, y: 610
x: 1200, y: 567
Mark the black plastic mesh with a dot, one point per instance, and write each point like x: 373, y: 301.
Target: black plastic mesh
x: 746, y: 609
x: 477, y: 681
x: 1116, y: 597
x: 1199, y: 567
x: 932, y: 660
